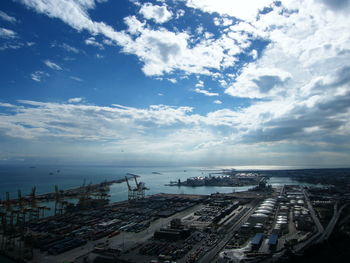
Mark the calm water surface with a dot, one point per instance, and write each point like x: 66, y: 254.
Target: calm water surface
x: 45, y: 178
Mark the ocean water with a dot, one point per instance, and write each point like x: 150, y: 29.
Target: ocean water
x: 44, y: 178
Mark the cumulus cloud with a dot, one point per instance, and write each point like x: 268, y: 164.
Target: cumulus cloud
x: 338, y: 5
x: 241, y: 9
x: 222, y: 21
x: 180, y: 13
x: 52, y: 65
x: 200, y: 84
x: 217, y: 102
x: 158, y: 128
x: 160, y: 14
x: 162, y: 51
x: 205, y: 92
x: 258, y: 82
x: 254, y: 54
x: 298, y: 77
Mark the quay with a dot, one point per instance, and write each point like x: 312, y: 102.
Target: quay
x: 69, y: 193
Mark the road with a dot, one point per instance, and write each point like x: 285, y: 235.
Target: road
x: 330, y: 227
x: 209, y: 256
x: 318, y: 224
x: 301, y: 246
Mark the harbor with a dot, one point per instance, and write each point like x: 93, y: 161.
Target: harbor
x: 263, y: 221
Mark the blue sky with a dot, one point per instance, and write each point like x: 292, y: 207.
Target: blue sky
x: 194, y: 82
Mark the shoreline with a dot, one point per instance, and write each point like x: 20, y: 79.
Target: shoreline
x: 73, y: 192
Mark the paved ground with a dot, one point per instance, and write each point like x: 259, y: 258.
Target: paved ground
x: 211, y: 256
x: 125, y: 240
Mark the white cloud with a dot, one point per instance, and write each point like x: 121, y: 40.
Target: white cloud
x: 200, y: 84
x: 260, y: 82
x: 254, y: 54
x: 180, y: 13
x: 75, y: 14
x: 241, y: 9
x: 7, y: 33
x: 52, y: 65
x: 66, y: 47
x: 75, y: 100
x: 7, y: 17
x: 172, y: 80
x: 200, y: 29
x: 163, y: 51
x: 38, y: 75
x: 217, y: 101
x: 222, y: 21
x: 11, y: 45
x: 205, y: 92
x: 76, y: 78
x: 302, y: 75
x: 70, y: 48
x: 134, y: 25
x: 160, y: 14
x: 92, y: 42
x: 156, y: 129
x: 7, y: 105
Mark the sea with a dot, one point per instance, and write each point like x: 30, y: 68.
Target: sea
x: 45, y: 177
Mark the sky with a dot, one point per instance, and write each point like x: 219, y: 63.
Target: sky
x: 175, y: 82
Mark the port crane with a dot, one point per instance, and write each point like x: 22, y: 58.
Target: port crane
x: 60, y: 204
x: 138, y: 192
x: 84, y: 195
x: 131, y: 191
x: 141, y: 187
x: 35, y: 208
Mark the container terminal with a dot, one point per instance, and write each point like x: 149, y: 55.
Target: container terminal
x: 264, y: 224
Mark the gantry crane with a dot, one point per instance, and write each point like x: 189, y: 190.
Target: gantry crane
x: 141, y: 187
x: 131, y: 191
x: 102, y: 192
x: 59, y: 202
x: 138, y: 192
x: 35, y: 209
